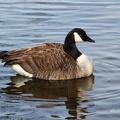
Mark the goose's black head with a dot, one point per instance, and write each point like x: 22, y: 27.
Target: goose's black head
x: 75, y: 35
x: 78, y: 35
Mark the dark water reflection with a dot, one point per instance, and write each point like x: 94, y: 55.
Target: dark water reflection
x: 50, y: 89
x: 72, y: 93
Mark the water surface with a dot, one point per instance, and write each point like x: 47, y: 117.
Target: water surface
x: 30, y: 22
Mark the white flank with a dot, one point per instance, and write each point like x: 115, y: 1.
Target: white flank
x: 77, y: 37
x: 86, y: 65
x: 21, y: 71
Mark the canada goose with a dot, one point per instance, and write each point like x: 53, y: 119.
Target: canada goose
x: 52, y: 61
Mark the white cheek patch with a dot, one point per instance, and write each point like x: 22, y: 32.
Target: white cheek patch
x: 77, y: 37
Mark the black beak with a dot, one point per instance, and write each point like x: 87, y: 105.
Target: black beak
x: 90, y: 40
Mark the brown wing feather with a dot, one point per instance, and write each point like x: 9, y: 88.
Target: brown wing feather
x: 30, y: 50
x: 33, y: 49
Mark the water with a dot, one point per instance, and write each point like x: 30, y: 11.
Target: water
x: 30, y: 22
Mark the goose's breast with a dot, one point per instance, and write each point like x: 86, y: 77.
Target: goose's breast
x: 86, y: 65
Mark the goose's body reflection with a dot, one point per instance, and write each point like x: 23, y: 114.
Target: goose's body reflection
x: 72, y: 90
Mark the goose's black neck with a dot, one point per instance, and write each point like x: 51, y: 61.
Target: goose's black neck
x: 70, y: 47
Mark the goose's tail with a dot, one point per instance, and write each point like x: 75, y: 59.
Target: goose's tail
x: 2, y: 54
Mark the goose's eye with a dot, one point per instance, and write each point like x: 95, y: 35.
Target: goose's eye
x: 81, y: 35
